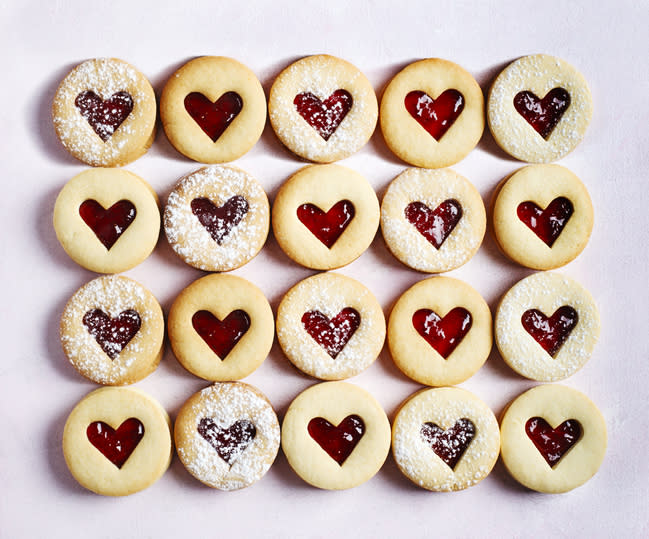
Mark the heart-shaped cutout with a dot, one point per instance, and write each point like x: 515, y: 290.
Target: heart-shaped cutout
x: 220, y: 220
x: 434, y: 225
x: 542, y: 114
x: 329, y: 226
x: 443, y: 334
x: 332, y: 334
x: 551, y: 333
x: 547, y: 224
x: 450, y: 444
x: 116, y: 445
x: 553, y: 444
x: 112, y: 334
x: 213, y: 118
x: 229, y: 442
x: 324, y: 116
x: 221, y: 336
x: 435, y: 115
x: 104, y: 115
x: 338, y: 441
x: 107, y: 224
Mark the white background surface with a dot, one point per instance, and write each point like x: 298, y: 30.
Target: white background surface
x: 41, y: 42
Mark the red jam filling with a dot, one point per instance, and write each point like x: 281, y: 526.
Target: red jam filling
x: 550, y: 332
x: 116, y: 445
x: 112, y: 334
x: 219, y: 221
x: 443, y: 334
x: 332, y: 334
x: 435, y: 115
x: 221, y: 336
x: 542, y: 114
x: 213, y: 118
x: 108, y: 225
x: 104, y: 116
x: 230, y: 442
x: 450, y: 444
x: 434, y: 225
x: 553, y: 444
x: 329, y: 226
x: 324, y: 116
x: 547, y: 224
x: 340, y: 441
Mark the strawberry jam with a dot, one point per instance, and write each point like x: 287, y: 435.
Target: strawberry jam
x: 324, y: 116
x: 108, y: 225
x: 221, y: 336
x: 329, y: 226
x: 112, y: 334
x: 213, y: 118
x: 104, y: 116
x: 450, y: 444
x: 332, y: 334
x: 435, y: 115
x: 542, y: 114
x: 338, y: 441
x: 551, y: 333
x: 547, y: 224
x: 553, y: 444
x: 443, y: 334
x: 434, y: 225
x: 220, y: 220
x: 116, y: 445
x: 228, y: 442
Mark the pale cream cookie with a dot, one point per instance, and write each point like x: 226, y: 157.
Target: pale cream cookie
x: 330, y: 326
x: 227, y: 435
x: 335, y: 435
x: 104, y: 113
x: 432, y: 113
x: 553, y: 438
x: 539, y: 108
x: 546, y: 327
x: 325, y: 216
x: 117, y: 441
x: 217, y: 218
x: 322, y: 108
x: 221, y: 327
x: 213, y: 109
x: 432, y: 220
x: 112, y: 331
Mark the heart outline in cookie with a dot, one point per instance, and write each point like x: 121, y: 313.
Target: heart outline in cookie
x: 229, y: 442
x: 108, y: 224
x: 550, y: 332
x: 104, y: 115
x: 553, y: 444
x: 450, y: 444
x: 221, y: 336
x: 338, y: 441
x: 117, y: 445
x: 112, y: 334
x: 327, y: 226
x: 332, y: 334
x: 219, y: 221
x: 542, y: 114
x: 434, y: 225
x: 324, y: 116
x: 436, y: 116
x: 546, y: 223
x: 443, y: 334
x: 213, y: 117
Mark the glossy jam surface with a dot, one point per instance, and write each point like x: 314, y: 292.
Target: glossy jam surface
x: 327, y: 227
x: 107, y: 224
x: 332, y: 334
x: 213, y: 118
x: 220, y: 220
x: 104, y: 116
x: 221, y: 336
x: 435, y: 115
x: 547, y: 224
x: 338, y: 441
x: 228, y: 442
x: 324, y: 116
x: 550, y: 332
x: 112, y: 334
x: 553, y: 444
x: 443, y: 334
x: 434, y: 225
x: 116, y: 445
x: 450, y: 444
x: 542, y: 114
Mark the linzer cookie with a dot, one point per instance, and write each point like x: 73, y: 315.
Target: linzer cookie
x: 539, y: 108
x: 104, y: 112
x: 322, y: 108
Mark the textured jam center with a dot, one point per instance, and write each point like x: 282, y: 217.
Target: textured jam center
x: 329, y: 226
x: 221, y: 336
x: 324, y: 116
x: 547, y: 224
x: 443, y: 334
x: 213, y: 118
x: 332, y: 334
x: 450, y: 444
x: 228, y: 442
x: 219, y: 221
x: 116, y: 445
x: 108, y: 225
x: 112, y: 334
x: 551, y: 333
x: 434, y: 225
x: 338, y: 441
x: 104, y: 116
x: 553, y: 444
x: 542, y: 114
x: 435, y: 115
